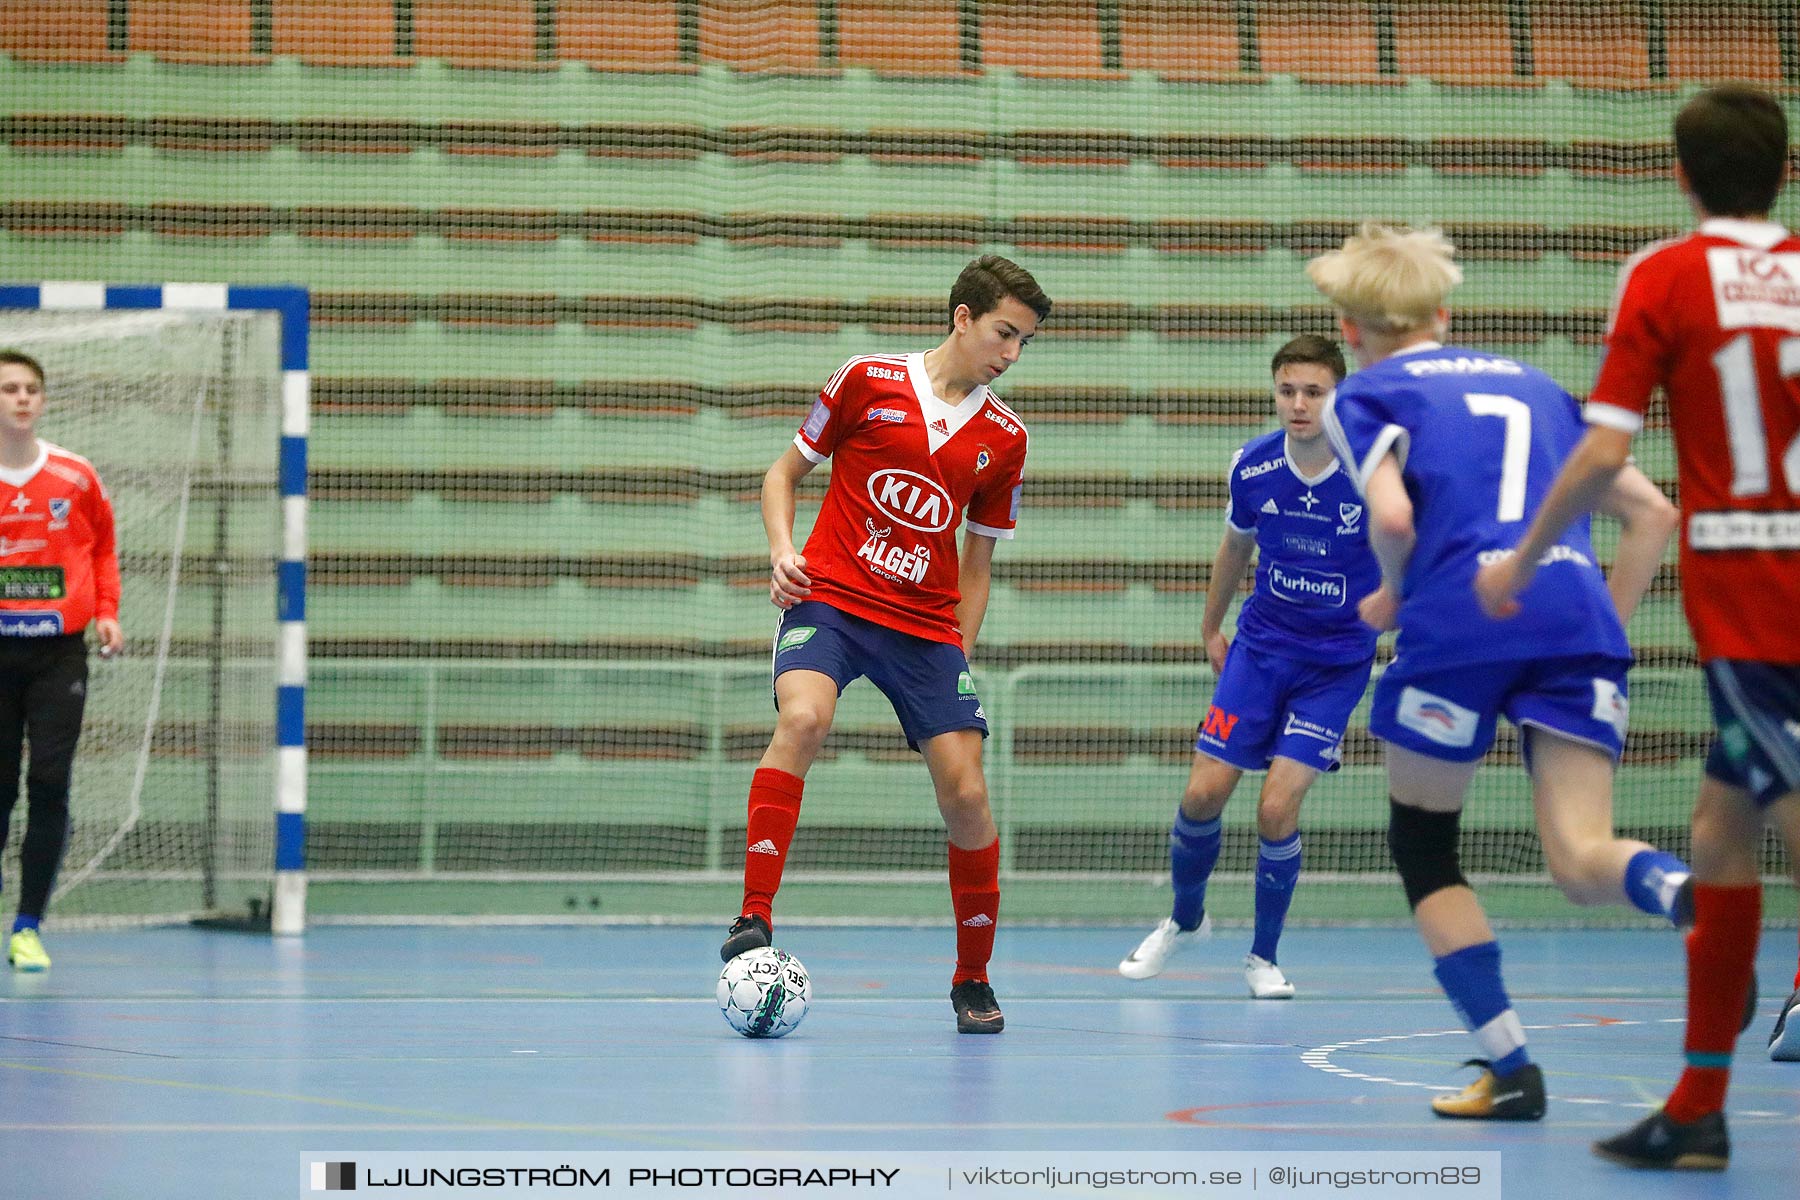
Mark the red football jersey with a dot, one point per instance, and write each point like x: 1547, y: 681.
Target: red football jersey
x: 59, y: 569
x: 1714, y: 319
x: 906, y: 466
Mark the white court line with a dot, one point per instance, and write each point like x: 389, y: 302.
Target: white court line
x: 1319, y: 1058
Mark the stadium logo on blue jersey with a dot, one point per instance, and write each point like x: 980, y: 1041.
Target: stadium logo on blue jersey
x: 1297, y: 585
x: 893, y: 416
x: 31, y: 624
x: 1349, y: 514
x: 1261, y: 468
x: 1436, y: 719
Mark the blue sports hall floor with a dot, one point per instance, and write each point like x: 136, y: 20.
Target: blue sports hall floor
x: 183, y: 1062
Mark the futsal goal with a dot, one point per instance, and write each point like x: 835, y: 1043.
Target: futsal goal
x: 177, y: 393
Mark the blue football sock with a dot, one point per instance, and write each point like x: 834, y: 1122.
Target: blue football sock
x: 1277, y: 867
x: 1193, y: 851
x: 24, y: 922
x: 1652, y: 878
x: 1471, y: 978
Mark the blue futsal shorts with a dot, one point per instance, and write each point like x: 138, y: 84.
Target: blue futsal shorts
x: 1266, y: 706
x: 1756, y: 706
x: 1450, y: 713
x: 927, y: 682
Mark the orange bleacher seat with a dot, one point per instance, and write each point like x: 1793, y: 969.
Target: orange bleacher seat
x: 192, y: 30
x: 1470, y: 42
x: 476, y: 33
x: 1321, y: 41
x: 1180, y: 40
x: 1598, y: 44
x: 901, y: 37
x: 336, y: 32
x: 1716, y: 43
x: 760, y: 35
x: 620, y: 35
x: 1050, y: 38
x: 54, y: 30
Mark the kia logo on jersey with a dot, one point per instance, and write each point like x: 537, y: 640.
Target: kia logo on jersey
x: 911, y: 499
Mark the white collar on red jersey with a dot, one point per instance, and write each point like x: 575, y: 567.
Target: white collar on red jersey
x: 942, y: 418
x: 20, y: 476
x: 1761, y: 234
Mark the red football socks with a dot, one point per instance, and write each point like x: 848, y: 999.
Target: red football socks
x: 1720, y: 952
x: 774, y: 811
x: 975, y: 895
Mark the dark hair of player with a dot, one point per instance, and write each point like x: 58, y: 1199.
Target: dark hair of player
x: 990, y: 279
x: 22, y: 359
x: 1733, y: 144
x: 1313, y: 349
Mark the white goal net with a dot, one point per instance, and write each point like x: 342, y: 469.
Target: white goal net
x: 179, y: 412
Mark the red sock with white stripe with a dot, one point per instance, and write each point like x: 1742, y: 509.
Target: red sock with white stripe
x: 774, y: 811
x: 975, y: 895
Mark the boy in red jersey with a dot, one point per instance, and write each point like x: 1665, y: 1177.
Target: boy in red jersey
x: 1713, y: 318
x: 58, y: 573
x: 917, y: 441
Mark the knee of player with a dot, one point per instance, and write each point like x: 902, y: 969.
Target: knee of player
x: 1424, y: 849
x: 803, y: 723
x: 1205, y: 798
x: 968, y: 794
x: 1278, y: 814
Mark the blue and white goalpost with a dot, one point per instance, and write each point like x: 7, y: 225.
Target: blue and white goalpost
x: 69, y: 325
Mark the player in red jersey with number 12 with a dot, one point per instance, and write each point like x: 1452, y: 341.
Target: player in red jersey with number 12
x: 1713, y: 318
x: 917, y: 443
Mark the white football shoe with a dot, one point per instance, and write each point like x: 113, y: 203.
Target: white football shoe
x: 1152, y: 954
x: 1266, y: 980
x: 1784, y: 1043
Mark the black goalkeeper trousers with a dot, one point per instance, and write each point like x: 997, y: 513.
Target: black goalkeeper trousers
x: 43, y: 689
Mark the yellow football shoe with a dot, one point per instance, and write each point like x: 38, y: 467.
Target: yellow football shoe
x: 1515, y: 1097
x: 26, y: 952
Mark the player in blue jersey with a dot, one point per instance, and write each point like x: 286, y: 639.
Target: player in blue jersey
x: 1454, y: 449
x: 1289, y: 682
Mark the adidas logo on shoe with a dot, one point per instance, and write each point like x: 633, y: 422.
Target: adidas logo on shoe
x: 978, y: 921
x: 764, y: 847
